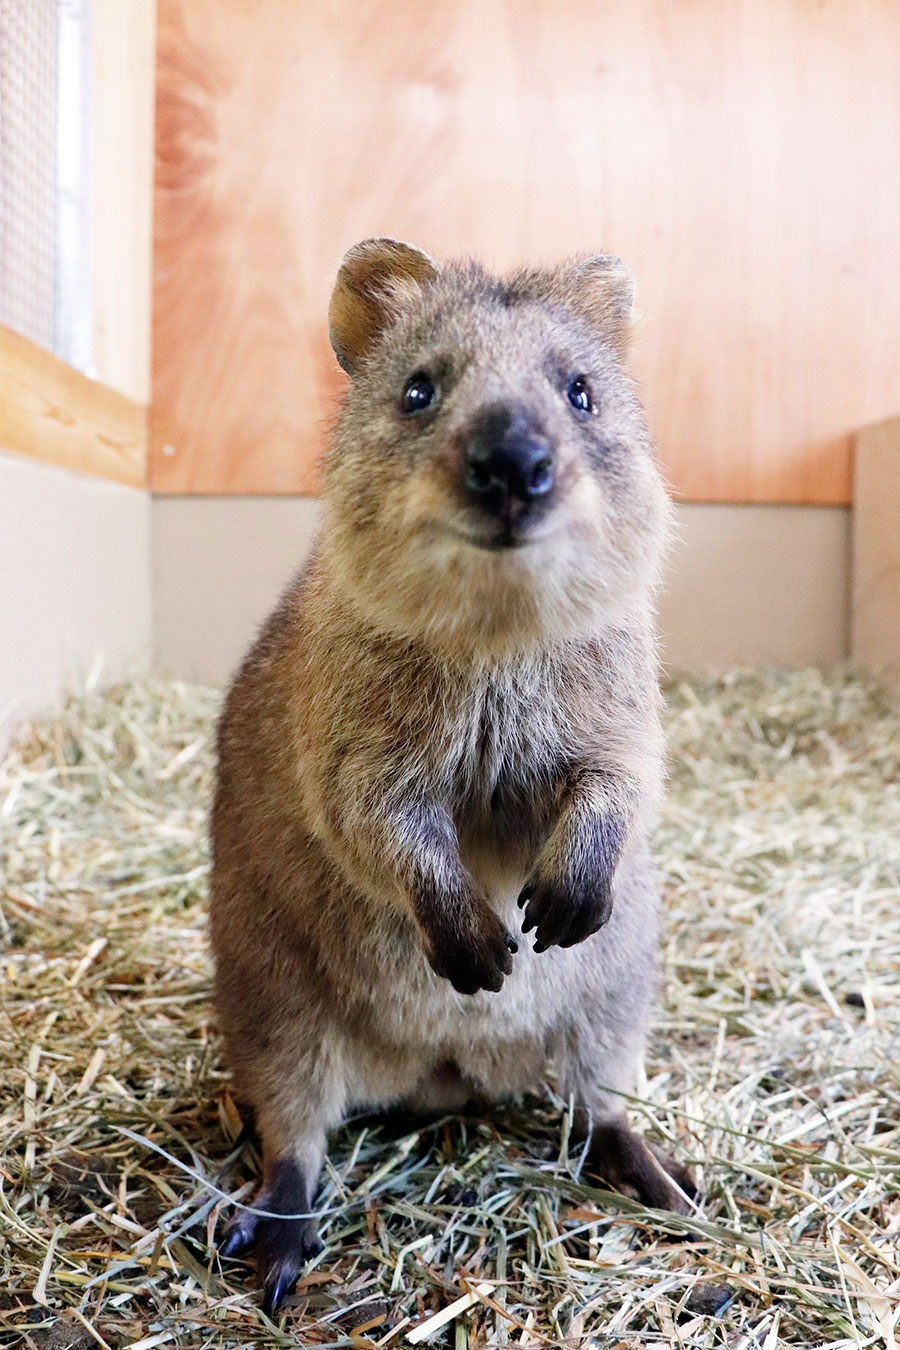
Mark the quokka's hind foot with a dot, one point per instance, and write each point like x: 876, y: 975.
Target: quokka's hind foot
x: 630, y: 1165
x: 680, y: 1174
x: 283, y: 1246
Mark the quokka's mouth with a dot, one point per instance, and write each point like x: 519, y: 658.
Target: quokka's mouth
x: 502, y: 542
x: 503, y: 539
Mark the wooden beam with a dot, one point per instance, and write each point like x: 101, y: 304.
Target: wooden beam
x: 52, y: 413
x: 124, y: 68
x: 875, y: 629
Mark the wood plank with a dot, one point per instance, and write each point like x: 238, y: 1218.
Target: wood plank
x: 55, y: 414
x: 743, y: 156
x: 124, y: 69
x: 875, y: 623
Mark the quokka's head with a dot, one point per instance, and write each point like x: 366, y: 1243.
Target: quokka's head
x: 491, y: 484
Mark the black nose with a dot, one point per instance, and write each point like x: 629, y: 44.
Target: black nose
x: 508, y: 464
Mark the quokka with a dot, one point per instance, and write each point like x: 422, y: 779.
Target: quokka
x: 439, y: 763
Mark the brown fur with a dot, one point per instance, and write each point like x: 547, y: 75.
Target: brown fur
x: 431, y: 722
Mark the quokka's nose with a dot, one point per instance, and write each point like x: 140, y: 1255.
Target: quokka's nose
x: 508, y: 465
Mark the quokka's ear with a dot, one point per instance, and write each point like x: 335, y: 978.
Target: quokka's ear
x: 600, y: 288
x: 377, y: 278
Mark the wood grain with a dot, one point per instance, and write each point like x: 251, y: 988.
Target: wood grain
x: 51, y: 412
x: 743, y: 155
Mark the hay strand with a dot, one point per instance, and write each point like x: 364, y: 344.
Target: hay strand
x: 773, y: 1068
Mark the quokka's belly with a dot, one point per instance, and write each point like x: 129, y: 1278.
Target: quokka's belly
x: 419, y: 1016
x: 436, y: 1048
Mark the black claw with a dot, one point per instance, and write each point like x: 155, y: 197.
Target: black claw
x: 511, y: 943
x: 529, y: 924
x: 236, y: 1240
x: 525, y: 894
x: 548, y: 935
x: 277, y: 1290
x: 540, y: 947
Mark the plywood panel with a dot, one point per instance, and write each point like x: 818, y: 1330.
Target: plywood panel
x: 746, y: 584
x: 75, y: 600
x: 744, y: 155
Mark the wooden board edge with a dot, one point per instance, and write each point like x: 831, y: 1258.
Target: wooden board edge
x: 123, y: 37
x: 52, y: 413
x: 875, y: 565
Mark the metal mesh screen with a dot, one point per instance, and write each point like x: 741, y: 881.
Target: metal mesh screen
x: 45, y: 225
x: 28, y: 168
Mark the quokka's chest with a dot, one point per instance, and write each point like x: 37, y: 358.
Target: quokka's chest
x: 508, y: 765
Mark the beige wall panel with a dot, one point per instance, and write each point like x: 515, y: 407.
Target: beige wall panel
x: 74, y: 583
x: 757, y: 585
x: 747, y: 584
x: 219, y: 564
x: 876, y: 548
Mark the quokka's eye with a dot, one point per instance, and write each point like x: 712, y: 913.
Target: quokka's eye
x: 418, y: 394
x: 578, y: 393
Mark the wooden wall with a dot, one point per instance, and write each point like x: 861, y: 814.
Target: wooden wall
x: 743, y: 155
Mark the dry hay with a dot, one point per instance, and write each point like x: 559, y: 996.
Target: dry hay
x: 773, y: 1067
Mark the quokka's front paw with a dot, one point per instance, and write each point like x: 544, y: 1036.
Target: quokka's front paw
x: 565, y: 910
x: 469, y: 946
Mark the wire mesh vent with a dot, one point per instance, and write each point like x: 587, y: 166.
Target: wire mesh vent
x: 28, y: 170
x: 44, y: 174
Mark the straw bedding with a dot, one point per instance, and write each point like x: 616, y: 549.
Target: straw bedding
x: 773, y: 1067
